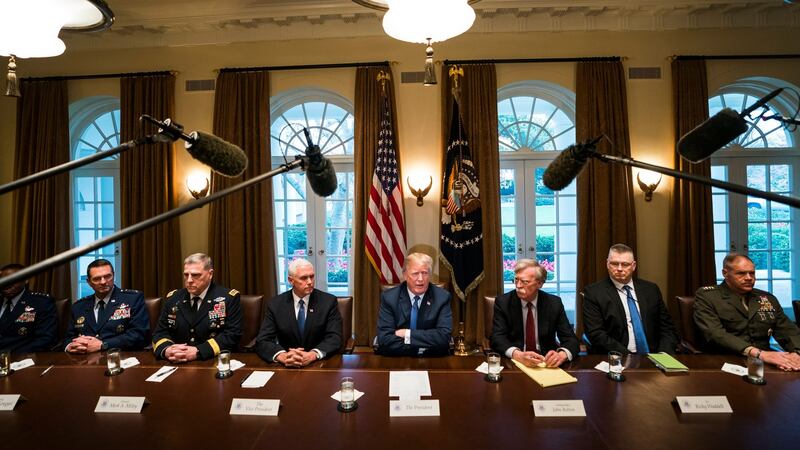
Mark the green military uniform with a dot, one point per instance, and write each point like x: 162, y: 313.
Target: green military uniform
x: 726, y: 324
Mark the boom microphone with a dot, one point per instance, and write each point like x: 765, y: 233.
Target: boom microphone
x: 321, y: 174
x: 567, y: 165
x: 718, y: 131
x: 223, y: 157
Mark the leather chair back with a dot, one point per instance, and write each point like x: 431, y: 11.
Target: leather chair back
x: 63, y: 313
x: 691, y: 337
x: 346, y: 311
x: 153, y: 305
x: 488, y: 322
x: 252, y: 313
x: 796, y: 307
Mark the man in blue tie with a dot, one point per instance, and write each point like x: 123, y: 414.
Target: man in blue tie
x: 301, y: 325
x: 624, y: 314
x: 415, y: 317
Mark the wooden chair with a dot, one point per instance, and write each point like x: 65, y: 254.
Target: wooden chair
x: 153, y: 306
x: 346, y: 310
x: 691, y: 337
x: 488, y: 323
x: 63, y: 310
x: 252, y: 314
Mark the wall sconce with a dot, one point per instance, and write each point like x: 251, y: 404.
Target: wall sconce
x: 198, y: 185
x: 649, y: 184
x: 420, y: 193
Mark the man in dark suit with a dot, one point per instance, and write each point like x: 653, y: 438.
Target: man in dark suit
x: 624, y: 314
x: 109, y: 318
x: 415, y: 317
x: 27, y: 319
x: 527, y: 321
x: 201, y: 319
x: 299, y: 319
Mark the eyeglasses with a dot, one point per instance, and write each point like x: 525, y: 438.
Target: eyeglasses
x: 621, y: 265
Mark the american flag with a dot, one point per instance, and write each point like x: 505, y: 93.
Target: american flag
x: 386, y: 226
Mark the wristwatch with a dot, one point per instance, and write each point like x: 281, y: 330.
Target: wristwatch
x: 103, y: 346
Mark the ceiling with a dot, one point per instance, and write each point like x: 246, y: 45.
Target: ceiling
x: 158, y: 23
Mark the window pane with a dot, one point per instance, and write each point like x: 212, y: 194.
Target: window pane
x: 567, y: 238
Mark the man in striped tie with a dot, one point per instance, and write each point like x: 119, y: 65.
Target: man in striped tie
x: 624, y: 314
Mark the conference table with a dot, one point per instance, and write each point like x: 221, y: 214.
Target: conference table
x: 190, y: 408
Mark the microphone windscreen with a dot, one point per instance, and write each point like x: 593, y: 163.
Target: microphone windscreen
x: 564, y: 168
x: 222, y: 156
x: 322, y: 178
x: 711, y: 135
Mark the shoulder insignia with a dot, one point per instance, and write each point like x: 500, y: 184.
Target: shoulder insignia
x: 709, y: 288
x: 171, y: 293
x: 233, y: 292
x: 133, y: 291
x: 40, y: 294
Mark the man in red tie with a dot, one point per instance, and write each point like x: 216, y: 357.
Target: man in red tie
x: 527, y: 321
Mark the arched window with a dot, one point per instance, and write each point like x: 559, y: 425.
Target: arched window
x: 307, y: 226
x: 766, y: 157
x: 536, y: 120
x: 94, y: 126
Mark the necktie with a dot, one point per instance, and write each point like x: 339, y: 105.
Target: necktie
x: 101, y: 306
x: 414, y: 312
x: 301, y: 317
x: 636, y: 321
x: 195, y: 303
x: 530, y: 333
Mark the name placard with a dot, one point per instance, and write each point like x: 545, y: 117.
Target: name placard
x: 704, y: 404
x: 117, y: 404
x: 8, y: 402
x: 254, y: 407
x: 558, y: 408
x: 413, y: 408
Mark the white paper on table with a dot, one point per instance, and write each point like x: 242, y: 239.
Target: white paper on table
x: 162, y: 374
x: 603, y: 367
x: 484, y: 368
x: 734, y: 369
x: 257, y: 379
x: 129, y: 362
x: 236, y: 364
x: 338, y: 395
x: 19, y: 365
x: 411, y: 383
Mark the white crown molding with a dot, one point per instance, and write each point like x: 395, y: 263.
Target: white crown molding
x: 156, y: 23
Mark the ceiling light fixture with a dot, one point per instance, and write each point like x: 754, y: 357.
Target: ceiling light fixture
x: 31, y: 27
x: 424, y: 22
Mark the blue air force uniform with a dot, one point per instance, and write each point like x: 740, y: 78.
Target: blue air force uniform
x: 31, y: 325
x: 216, y: 326
x: 122, y: 324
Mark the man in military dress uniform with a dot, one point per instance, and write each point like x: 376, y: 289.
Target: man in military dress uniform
x: 201, y: 319
x: 109, y: 318
x: 735, y: 317
x: 27, y: 319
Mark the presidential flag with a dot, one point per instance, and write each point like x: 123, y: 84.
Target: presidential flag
x: 461, y: 233
x: 386, y: 229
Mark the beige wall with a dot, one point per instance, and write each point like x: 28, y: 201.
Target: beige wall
x: 419, y: 107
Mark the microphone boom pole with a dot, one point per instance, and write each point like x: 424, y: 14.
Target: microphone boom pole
x: 68, y: 255
x: 739, y: 189
x: 66, y: 167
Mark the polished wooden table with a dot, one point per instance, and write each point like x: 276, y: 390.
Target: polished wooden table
x: 189, y: 409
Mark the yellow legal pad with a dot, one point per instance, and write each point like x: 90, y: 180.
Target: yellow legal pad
x: 546, y: 376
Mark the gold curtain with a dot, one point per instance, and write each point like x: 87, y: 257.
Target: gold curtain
x: 151, y: 259
x: 691, y: 229
x: 367, y: 119
x: 478, y: 105
x: 41, y: 211
x: 241, y: 225
x: 606, y: 213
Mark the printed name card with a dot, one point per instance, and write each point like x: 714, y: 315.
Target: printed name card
x: 704, y: 404
x: 413, y: 408
x: 254, y: 407
x: 116, y: 404
x: 558, y: 408
x: 8, y: 402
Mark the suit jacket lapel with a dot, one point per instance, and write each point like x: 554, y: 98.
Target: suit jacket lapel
x: 613, y: 296
x: 103, y: 316
x: 515, y: 315
x: 405, y: 305
x: 288, y: 299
